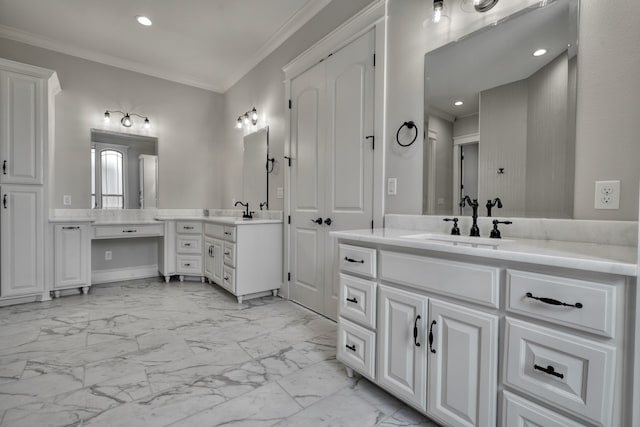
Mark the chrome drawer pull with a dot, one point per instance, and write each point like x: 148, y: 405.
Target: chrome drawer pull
x: 353, y: 300
x: 552, y: 301
x: 358, y: 261
x: 71, y: 228
x: 549, y: 370
x: 351, y: 347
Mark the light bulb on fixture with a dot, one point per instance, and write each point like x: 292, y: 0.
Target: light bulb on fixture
x: 254, y: 116
x: 245, y: 119
x: 147, y: 124
x: 126, y: 121
x: 239, y: 123
x: 107, y: 116
x: 437, y: 10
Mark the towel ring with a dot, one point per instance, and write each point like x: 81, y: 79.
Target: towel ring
x: 409, y: 125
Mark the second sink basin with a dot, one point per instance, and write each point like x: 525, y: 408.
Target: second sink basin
x: 459, y: 240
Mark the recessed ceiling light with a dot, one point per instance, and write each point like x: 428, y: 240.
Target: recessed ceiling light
x: 539, y: 52
x: 458, y: 103
x: 143, y: 20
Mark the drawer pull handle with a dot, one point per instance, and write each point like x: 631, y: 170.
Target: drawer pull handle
x: 71, y: 228
x: 226, y: 277
x: 358, y: 261
x: 186, y: 264
x: 415, y: 331
x: 4, y: 201
x: 4, y: 167
x: 188, y: 227
x: 433, y: 323
x: 129, y: 231
x: 187, y: 244
x: 353, y: 300
x: 351, y: 347
x: 552, y: 301
x: 549, y: 370
x: 227, y: 233
x: 227, y: 253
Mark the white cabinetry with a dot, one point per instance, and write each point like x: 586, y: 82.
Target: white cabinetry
x: 213, y: 259
x: 22, y: 249
x: 189, y: 249
x: 72, y: 257
x: 402, y: 360
x: 26, y: 103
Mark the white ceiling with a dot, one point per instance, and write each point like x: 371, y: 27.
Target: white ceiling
x: 209, y: 44
x: 497, y: 56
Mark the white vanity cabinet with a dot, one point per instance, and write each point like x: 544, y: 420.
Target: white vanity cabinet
x: 72, y: 257
x: 189, y: 257
x: 454, y: 334
x: 213, y: 259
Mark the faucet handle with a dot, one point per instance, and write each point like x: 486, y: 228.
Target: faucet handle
x: 495, y: 233
x: 455, y: 231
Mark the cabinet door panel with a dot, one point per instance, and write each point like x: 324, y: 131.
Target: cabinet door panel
x: 22, y: 114
x: 208, y: 258
x: 71, y: 256
x: 463, y: 365
x: 22, y: 240
x: 216, y: 273
x: 403, y: 364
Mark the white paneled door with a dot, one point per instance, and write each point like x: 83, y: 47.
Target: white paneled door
x: 332, y: 169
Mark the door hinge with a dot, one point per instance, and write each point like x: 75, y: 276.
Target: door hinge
x: 289, y: 220
x: 373, y: 141
x: 288, y: 160
x: 374, y: 59
x: 289, y: 277
x: 289, y: 104
x: 372, y: 224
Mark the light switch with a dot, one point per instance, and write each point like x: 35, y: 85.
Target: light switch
x: 392, y: 186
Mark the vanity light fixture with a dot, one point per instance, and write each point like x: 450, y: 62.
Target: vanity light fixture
x: 144, y: 20
x: 250, y: 116
x: 126, y: 119
x: 458, y: 103
x: 539, y: 52
x: 438, y: 5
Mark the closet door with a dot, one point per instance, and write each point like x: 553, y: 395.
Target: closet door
x: 307, y: 231
x: 349, y: 153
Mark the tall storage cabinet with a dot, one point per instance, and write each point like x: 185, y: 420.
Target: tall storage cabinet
x: 26, y: 130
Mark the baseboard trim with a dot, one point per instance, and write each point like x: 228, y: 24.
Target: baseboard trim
x: 120, y: 274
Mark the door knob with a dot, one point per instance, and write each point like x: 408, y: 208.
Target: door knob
x: 328, y: 221
x: 317, y: 221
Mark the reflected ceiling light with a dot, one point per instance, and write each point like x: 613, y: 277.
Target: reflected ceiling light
x: 143, y: 20
x: 438, y: 5
x: 539, y: 52
x: 126, y: 119
x: 250, y: 116
x: 458, y: 103
x: 484, y: 5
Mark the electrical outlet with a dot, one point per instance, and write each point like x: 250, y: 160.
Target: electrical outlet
x: 108, y: 256
x: 392, y: 186
x: 66, y: 200
x: 607, y: 195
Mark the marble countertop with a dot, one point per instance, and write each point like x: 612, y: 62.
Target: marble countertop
x: 70, y: 220
x: 226, y: 220
x: 582, y: 256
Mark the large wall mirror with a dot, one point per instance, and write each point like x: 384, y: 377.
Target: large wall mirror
x: 124, y: 171
x: 500, y: 114
x: 255, y: 169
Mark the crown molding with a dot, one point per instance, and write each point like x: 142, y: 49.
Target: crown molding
x: 293, y: 24
x: 138, y: 67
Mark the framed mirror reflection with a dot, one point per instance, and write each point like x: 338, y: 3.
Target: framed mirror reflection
x: 500, y: 113
x: 256, y: 167
x: 124, y: 170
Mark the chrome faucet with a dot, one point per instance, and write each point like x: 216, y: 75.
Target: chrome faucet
x: 473, y: 204
x: 246, y: 214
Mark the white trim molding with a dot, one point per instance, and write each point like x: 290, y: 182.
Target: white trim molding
x: 341, y: 36
x: 121, y: 274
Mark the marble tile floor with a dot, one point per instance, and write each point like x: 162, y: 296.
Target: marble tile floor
x: 146, y: 353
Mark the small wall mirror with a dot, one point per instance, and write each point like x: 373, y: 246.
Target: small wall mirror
x: 255, y: 169
x: 500, y: 113
x: 124, y: 170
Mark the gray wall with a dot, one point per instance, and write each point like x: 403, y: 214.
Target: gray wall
x: 608, y: 96
x: 465, y: 125
x: 186, y: 120
x: 262, y: 87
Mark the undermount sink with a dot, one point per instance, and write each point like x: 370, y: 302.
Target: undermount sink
x: 468, y: 241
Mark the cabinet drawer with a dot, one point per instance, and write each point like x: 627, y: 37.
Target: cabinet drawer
x: 470, y: 282
x: 189, y: 264
x: 517, y: 411
x: 188, y: 227
x: 126, y: 231
x: 565, y: 371
x: 229, y: 254
x: 230, y: 234
x: 356, y: 348
x: 591, y: 305
x: 358, y: 300
x: 358, y: 260
x: 189, y: 244
x: 214, y: 230
x: 229, y: 279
